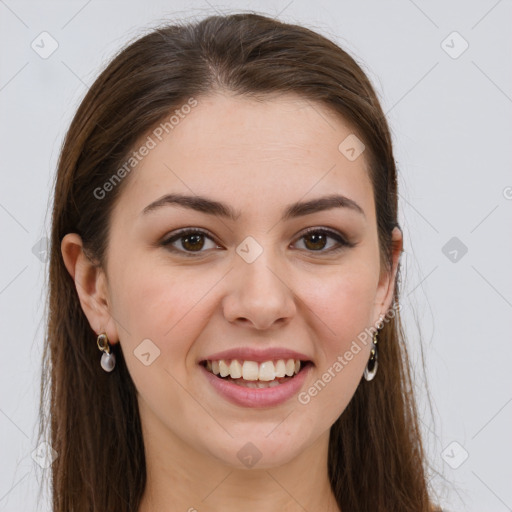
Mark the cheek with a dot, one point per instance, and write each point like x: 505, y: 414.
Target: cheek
x: 343, y: 304
x: 160, y: 311
x: 156, y: 300
x: 343, y: 308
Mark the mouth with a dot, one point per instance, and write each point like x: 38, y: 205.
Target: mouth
x: 255, y: 375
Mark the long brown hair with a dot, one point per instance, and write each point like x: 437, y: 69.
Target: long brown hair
x: 376, y: 458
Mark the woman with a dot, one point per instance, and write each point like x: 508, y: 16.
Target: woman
x: 225, y: 233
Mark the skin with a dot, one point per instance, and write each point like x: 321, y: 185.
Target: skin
x: 257, y: 157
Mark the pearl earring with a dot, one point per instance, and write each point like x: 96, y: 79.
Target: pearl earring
x: 108, y: 359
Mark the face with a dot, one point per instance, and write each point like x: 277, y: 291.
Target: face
x: 272, y: 283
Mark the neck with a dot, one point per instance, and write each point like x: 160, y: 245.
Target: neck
x: 179, y: 478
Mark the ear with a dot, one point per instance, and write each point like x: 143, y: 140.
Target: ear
x: 386, y: 286
x: 91, y: 286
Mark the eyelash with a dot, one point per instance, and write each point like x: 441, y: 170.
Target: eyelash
x: 343, y: 243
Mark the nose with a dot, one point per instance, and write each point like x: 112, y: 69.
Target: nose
x: 259, y: 295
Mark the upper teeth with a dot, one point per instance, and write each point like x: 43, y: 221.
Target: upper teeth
x: 251, y: 370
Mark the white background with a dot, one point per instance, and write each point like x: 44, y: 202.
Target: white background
x: 451, y: 120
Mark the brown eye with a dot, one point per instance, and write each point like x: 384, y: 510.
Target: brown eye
x: 192, y: 242
x: 316, y: 240
x: 189, y: 241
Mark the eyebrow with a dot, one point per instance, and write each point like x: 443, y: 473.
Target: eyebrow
x: 211, y: 207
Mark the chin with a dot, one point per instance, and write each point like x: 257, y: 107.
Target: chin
x: 257, y: 448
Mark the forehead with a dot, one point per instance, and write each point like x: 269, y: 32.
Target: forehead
x: 251, y: 154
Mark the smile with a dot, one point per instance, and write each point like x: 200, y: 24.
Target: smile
x: 252, y: 374
x: 252, y: 384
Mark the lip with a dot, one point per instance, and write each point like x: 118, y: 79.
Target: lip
x: 255, y: 397
x: 257, y: 355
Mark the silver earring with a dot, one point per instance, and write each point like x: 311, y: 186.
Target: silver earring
x: 371, y: 367
x: 108, y: 359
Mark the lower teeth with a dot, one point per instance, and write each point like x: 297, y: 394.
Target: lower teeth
x: 258, y: 383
